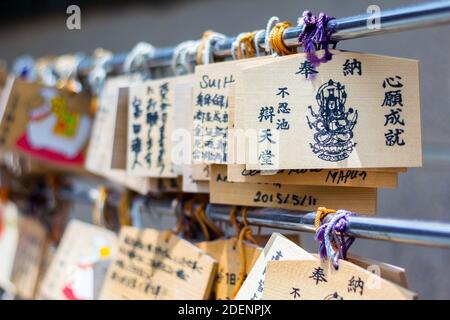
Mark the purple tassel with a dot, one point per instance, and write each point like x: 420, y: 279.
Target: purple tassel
x: 315, y: 34
x: 333, y: 232
x: 309, y: 26
x: 320, y: 237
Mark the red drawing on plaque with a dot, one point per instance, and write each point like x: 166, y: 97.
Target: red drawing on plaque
x: 54, y: 133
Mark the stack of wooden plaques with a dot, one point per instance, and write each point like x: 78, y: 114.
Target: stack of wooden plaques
x: 283, y: 132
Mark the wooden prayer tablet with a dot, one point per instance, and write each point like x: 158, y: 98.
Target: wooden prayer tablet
x: 213, y: 93
x: 100, y: 270
x: 387, y: 271
x: 100, y: 151
x: 263, y: 239
x: 183, y: 124
x: 316, y: 280
x: 193, y: 186
x: 228, y: 255
x: 159, y: 185
x: 119, y: 153
x: 152, y: 266
x: 354, y: 111
x: 210, y: 111
x: 46, y: 123
x: 277, y: 248
x: 201, y: 172
x: 30, y: 253
x: 150, y: 127
x: 294, y: 197
x: 9, y: 238
x: 318, y: 177
x: 236, y: 142
x: 70, y: 275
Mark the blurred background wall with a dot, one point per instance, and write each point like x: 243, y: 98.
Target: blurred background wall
x: 39, y: 28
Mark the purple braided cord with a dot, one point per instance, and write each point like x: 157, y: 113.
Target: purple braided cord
x: 320, y: 236
x: 334, y: 231
x: 309, y: 27
x: 340, y: 228
x: 315, y: 34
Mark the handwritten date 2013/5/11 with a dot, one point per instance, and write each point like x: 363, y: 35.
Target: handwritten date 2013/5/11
x: 285, y: 198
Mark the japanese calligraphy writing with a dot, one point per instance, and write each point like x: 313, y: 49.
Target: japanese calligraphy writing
x: 230, y: 269
x: 318, y: 275
x: 338, y: 118
x: 268, y: 116
x: 393, y: 99
x: 293, y: 196
x: 136, y: 143
x: 151, y: 120
x: 210, y: 116
x: 151, y: 265
x: 111, y: 119
x: 295, y: 292
x: 307, y: 69
x: 314, y: 280
x: 355, y: 284
x: 278, y: 248
x: 352, y: 67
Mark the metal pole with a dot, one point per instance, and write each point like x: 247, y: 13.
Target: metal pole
x: 391, y: 20
x: 434, y: 234
x: 416, y: 232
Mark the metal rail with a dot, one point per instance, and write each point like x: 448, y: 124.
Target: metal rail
x: 391, y: 20
x: 417, y: 232
x: 436, y: 234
